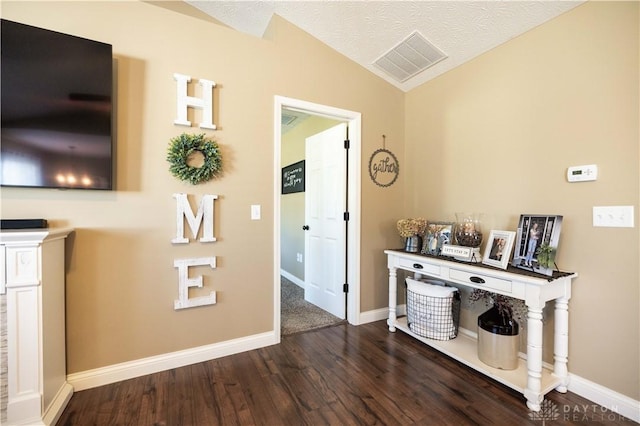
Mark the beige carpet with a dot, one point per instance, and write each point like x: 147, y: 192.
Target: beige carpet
x: 298, y: 315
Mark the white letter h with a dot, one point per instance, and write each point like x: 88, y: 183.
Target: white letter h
x: 205, y: 103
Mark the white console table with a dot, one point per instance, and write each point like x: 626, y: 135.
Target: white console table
x: 32, y: 278
x: 531, y: 378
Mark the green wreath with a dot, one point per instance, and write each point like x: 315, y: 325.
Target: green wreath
x: 181, y: 147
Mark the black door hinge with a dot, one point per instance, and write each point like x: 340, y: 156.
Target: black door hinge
x: 345, y: 288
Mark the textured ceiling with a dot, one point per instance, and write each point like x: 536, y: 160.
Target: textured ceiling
x: 365, y: 30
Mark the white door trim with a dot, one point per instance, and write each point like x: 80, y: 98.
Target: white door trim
x: 354, y: 119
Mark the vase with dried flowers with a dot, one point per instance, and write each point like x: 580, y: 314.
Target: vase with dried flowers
x: 498, y: 329
x: 412, y: 230
x: 509, y: 309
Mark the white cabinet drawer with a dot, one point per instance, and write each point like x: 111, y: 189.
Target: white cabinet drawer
x: 22, y: 267
x: 481, y: 281
x: 419, y: 267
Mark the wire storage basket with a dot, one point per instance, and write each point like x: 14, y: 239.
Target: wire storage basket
x: 433, y: 311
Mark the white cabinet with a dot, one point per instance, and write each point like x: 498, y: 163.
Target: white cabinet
x: 531, y: 378
x: 33, y: 283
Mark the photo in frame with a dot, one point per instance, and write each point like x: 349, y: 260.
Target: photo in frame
x: 498, y: 249
x: 537, y: 243
x: 437, y: 235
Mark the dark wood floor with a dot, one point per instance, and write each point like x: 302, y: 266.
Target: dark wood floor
x: 341, y: 375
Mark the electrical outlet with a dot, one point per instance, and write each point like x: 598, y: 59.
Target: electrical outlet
x: 299, y: 257
x: 613, y: 216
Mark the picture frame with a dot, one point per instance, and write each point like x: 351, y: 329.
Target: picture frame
x: 437, y: 235
x: 497, y: 252
x: 293, y: 178
x: 536, y: 232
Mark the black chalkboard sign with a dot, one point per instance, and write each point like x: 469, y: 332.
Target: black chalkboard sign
x: 293, y: 178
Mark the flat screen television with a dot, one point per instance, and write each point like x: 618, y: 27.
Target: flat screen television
x: 56, y: 109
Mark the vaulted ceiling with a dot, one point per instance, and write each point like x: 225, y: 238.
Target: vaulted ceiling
x: 365, y: 31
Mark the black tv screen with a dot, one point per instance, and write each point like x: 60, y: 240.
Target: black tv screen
x: 56, y: 109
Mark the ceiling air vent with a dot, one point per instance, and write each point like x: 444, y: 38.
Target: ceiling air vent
x: 290, y: 119
x: 410, y: 57
x: 287, y: 119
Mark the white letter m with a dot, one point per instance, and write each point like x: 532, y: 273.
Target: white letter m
x: 205, y: 212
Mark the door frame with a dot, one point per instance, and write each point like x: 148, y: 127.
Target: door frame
x: 354, y: 121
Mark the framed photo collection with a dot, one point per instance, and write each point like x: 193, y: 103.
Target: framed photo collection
x: 532, y: 247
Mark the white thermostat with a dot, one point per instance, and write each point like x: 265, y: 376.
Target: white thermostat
x: 582, y: 173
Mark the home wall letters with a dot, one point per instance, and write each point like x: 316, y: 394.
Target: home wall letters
x: 204, y: 216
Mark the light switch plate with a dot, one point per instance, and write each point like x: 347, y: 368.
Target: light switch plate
x: 613, y: 216
x: 255, y: 212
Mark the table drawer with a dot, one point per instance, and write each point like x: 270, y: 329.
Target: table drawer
x: 419, y: 267
x: 482, y: 281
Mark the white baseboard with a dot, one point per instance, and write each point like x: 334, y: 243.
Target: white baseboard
x: 605, y: 397
x: 51, y: 413
x: 128, y: 370
x: 373, y: 316
x: 600, y: 395
x: 57, y: 406
x: 380, y: 314
x: 292, y: 278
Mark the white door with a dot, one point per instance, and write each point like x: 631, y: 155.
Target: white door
x: 325, y: 204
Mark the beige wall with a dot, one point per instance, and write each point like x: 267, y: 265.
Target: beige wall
x: 121, y: 282
x: 292, y: 205
x: 497, y: 134
x: 563, y: 94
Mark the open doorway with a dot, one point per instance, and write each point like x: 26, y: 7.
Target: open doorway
x: 287, y: 251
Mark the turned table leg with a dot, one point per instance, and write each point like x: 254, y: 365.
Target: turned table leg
x: 561, y: 343
x: 534, y: 358
x: 393, y: 292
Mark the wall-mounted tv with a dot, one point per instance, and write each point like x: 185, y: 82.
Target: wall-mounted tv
x: 56, y: 109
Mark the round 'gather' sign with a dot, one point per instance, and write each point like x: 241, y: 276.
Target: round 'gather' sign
x: 383, y: 167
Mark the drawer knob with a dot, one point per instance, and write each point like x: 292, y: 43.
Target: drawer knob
x: 476, y: 280
x: 417, y: 266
